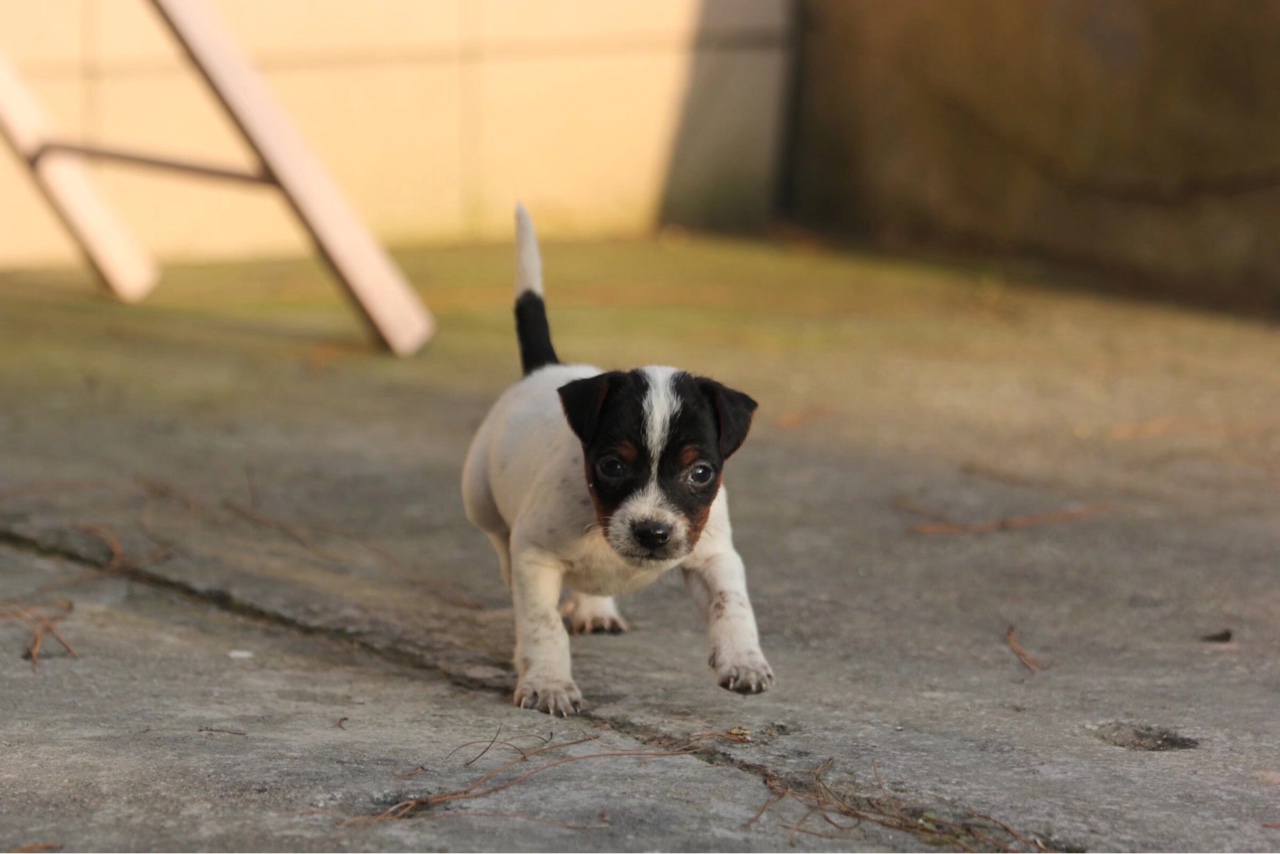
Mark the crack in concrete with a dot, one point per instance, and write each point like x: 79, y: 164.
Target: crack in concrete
x: 226, y: 601
x: 967, y: 836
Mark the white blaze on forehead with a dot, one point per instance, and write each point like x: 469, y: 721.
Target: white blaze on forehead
x: 648, y: 504
x: 661, y: 404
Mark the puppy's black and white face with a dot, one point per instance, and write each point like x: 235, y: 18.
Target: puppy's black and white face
x: 654, y: 442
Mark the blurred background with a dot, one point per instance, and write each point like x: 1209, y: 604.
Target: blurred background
x: 432, y: 115
x: 1134, y: 136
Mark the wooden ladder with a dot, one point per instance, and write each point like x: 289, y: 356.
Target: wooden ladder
x: 376, y: 286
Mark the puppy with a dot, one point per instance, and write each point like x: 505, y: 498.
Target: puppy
x: 604, y: 481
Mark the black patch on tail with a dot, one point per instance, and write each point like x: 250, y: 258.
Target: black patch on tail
x: 533, y: 333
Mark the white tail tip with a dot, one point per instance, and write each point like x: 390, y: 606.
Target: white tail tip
x: 528, y: 259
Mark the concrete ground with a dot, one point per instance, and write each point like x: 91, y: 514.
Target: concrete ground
x: 286, y: 627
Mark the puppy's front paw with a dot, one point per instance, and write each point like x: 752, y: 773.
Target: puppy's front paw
x: 745, y: 672
x: 555, y: 697
x: 584, y: 614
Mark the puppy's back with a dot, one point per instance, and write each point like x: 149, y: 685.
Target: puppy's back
x: 526, y: 438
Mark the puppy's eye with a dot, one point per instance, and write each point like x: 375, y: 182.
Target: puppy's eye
x: 701, y: 474
x: 611, y: 468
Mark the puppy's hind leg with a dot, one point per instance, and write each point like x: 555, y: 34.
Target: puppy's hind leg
x: 502, y: 545
x: 482, y: 510
x: 587, y: 614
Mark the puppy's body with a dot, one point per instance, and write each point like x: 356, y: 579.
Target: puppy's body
x: 524, y: 479
x: 605, y: 481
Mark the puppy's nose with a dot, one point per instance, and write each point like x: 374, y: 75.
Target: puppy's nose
x: 651, y: 534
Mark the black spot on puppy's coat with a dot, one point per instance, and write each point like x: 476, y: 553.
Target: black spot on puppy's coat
x: 598, y: 409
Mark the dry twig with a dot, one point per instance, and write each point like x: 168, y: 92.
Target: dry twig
x: 421, y: 769
x: 108, y: 539
x: 48, y: 624
x: 42, y: 622
x: 485, y: 785
x: 492, y: 741
x: 32, y: 650
x: 119, y: 562
x: 887, y: 811
x: 504, y: 743
x: 1032, y: 664
x: 256, y: 519
x: 160, y: 489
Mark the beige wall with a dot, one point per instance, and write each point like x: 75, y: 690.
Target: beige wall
x: 604, y: 116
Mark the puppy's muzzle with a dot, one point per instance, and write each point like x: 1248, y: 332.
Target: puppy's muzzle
x: 651, y: 534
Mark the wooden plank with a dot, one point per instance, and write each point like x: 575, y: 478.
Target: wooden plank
x: 119, y: 259
x: 372, y: 280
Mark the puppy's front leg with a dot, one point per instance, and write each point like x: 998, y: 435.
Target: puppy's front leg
x: 542, y: 645
x: 719, y: 586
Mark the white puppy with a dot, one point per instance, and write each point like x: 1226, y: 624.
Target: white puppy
x: 604, y: 481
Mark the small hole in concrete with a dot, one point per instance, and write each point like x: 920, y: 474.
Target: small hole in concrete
x: 1143, y: 737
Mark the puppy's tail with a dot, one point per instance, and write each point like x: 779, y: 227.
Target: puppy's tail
x: 531, y: 312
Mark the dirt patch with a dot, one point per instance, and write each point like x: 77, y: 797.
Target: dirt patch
x: 1143, y: 737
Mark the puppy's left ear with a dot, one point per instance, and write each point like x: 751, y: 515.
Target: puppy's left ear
x: 733, y: 411
x: 581, y: 401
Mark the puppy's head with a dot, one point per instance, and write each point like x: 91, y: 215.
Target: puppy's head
x: 654, y: 443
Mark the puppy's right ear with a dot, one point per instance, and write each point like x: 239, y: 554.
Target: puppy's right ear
x: 582, y: 401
